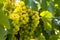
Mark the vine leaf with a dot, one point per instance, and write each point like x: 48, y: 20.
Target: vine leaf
x: 3, y: 18
x: 2, y: 33
x: 32, y: 4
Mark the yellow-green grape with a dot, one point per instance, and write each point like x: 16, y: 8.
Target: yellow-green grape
x: 19, y: 4
x: 25, y: 18
x: 22, y: 3
x: 15, y: 22
x: 46, y: 14
x: 30, y: 28
x: 34, y: 21
x: 14, y: 16
x: 26, y: 35
x: 35, y: 18
x: 29, y: 10
x: 16, y: 26
x: 15, y: 30
x: 24, y: 8
x: 18, y: 9
x: 25, y: 21
x: 7, y: 5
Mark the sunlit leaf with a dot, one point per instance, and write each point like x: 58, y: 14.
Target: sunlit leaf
x: 46, y: 14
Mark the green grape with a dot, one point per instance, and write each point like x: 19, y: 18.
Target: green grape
x: 8, y: 5
x: 24, y: 20
x: 14, y: 16
x: 30, y: 27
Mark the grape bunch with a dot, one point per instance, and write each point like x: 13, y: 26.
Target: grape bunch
x: 24, y: 20
x: 19, y: 16
x: 27, y: 30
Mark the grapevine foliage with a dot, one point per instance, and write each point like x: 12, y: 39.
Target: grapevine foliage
x: 29, y: 20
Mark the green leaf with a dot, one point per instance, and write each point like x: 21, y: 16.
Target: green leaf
x: 1, y: 1
x: 41, y: 37
x: 11, y: 37
x: 53, y: 37
x: 4, y: 20
x: 1, y: 5
x: 55, y: 24
x: 3, y: 33
x: 31, y: 3
x: 47, y: 24
x: 57, y: 12
x: 51, y: 8
x: 44, y: 5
